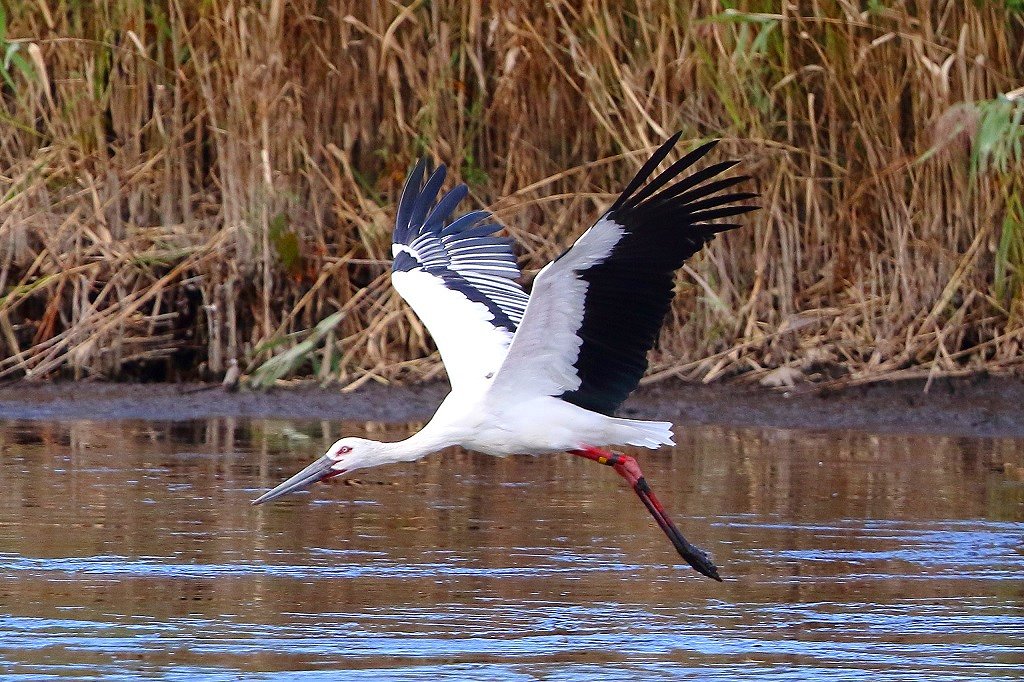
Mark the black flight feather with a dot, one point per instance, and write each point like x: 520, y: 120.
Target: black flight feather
x: 629, y: 293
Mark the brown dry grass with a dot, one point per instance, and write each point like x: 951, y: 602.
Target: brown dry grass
x: 184, y: 183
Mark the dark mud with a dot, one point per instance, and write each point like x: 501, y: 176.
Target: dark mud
x: 987, y: 407
x: 980, y: 406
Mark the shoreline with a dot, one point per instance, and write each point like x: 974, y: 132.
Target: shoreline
x: 976, y: 406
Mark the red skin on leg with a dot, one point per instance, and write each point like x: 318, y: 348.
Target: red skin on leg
x: 629, y: 469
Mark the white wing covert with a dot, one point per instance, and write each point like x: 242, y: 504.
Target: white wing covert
x: 459, y: 279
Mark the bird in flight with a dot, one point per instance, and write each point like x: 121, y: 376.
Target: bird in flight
x: 544, y: 371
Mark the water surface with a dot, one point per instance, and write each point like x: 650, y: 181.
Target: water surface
x: 128, y: 550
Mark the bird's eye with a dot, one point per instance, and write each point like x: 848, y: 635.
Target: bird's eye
x: 343, y: 449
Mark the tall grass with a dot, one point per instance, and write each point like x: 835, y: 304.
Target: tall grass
x: 185, y: 183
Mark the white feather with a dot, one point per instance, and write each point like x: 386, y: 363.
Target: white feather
x: 547, y: 343
x: 471, y: 346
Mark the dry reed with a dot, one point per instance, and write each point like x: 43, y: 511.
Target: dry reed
x: 186, y: 183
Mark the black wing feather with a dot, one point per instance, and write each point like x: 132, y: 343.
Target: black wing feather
x: 447, y: 205
x: 646, y: 170
x: 409, y: 193
x: 630, y: 292
x: 670, y: 172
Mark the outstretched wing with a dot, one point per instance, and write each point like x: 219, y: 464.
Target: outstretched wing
x: 460, y: 280
x: 596, y: 310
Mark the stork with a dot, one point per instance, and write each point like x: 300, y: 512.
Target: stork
x: 543, y: 372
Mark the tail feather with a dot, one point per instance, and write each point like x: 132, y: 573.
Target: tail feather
x: 645, y: 434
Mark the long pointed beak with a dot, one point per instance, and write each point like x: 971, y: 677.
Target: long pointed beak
x: 317, y: 471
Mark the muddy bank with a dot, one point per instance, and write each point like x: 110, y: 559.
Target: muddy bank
x: 970, y: 407
x: 985, y: 406
x: 178, y: 402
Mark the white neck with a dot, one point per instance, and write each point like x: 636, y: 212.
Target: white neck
x: 417, y: 446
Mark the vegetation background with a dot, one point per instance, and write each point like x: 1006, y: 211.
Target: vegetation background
x: 184, y: 183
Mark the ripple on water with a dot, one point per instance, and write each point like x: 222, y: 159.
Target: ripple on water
x: 907, y: 550
x: 143, y: 560
x: 820, y: 638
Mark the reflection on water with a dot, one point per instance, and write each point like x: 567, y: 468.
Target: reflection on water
x: 129, y: 550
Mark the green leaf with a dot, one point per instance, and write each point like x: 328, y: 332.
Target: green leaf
x: 1009, y: 261
x: 997, y: 143
x: 737, y: 17
x: 286, y: 243
x: 281, y: 365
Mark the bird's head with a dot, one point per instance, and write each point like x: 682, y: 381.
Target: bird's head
x: 347, y: 454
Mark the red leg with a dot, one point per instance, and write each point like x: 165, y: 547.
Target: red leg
x: 628, y: 468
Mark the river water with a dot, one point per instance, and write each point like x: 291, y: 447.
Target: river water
x: 128, y: 550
